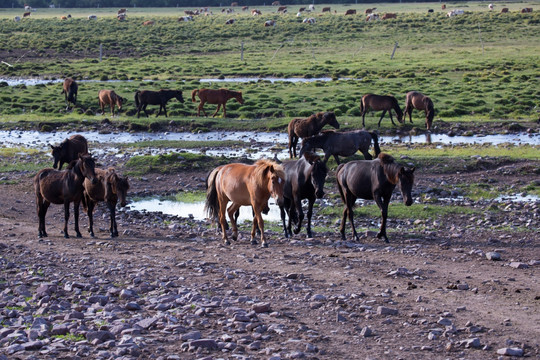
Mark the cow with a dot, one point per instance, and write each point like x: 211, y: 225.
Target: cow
x: 185, y: 18
x: 27, y: 8
x: 350, y: 12
x: 504, y: 10
x: 189, y: 12
x: 230, y: 21
x: 121, y: 17
x: 309, y: 21
x: 490, y: 6
x: 270, y: 23
x: 276, y: 3
x: 311, y: 7
x: 26, y: 14
x: 92, y: 17
x: 389, y: 16
x: 148, y: 22
x: 443, y: 6
x: 255, y: 12
x: 372, y: 17
x: 63, y: 17
x: 326, y: 9
x: 282, y: 9
x: 526, y: 10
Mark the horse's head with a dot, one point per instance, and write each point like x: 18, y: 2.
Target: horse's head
x: 238, y: 97
x: 119, y: 102
x: 330, y: 118
x: 57, y: 154
x: 119, y: 186
x: 277, y: 182
x: 87, y: 166
x: 406, y: 181
x: 178, y: 96
x: 319, y: 171
x: 430, y: 112
x: 305, y: 147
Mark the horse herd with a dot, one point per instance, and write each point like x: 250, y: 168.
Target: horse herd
x: 243, y: 185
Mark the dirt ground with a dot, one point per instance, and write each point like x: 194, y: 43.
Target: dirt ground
x: 430, y: 293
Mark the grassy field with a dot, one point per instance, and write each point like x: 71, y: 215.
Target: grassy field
x: 482, y: 66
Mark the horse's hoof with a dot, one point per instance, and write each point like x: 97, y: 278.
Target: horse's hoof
x: 297, y: 230
x: 309, y: 234
x: 227, y: 242
x: 92, y: 235
x: 66, y: 236
x: 264, y: 245
x: 254, y: 242
x: 235, y: 237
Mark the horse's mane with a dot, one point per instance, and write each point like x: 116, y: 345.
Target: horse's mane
x: 390, y: 167
x: 232, y: 91
x: 264, y: 164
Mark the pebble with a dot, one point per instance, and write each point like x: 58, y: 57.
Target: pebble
x: 495, y: 256
x: 513, y: 351
x: 383, y: 310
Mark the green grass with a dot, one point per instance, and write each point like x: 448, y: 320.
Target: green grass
x: 171, y: 163
x: 70, y: 337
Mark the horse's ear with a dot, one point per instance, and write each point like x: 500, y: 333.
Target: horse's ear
x: 413, y: 168
x: 52, y: 146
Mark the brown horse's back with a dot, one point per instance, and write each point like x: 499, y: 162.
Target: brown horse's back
x: 48, y: 183
x: 213, y: 96
x: 416, y: 99
x: 378, y: 102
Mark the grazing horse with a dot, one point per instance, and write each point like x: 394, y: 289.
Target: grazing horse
x: 326, y: 9
x: 389, y: 16
x: 417, y: 100
x: 69, y: 150
x: 303, y: 128
x: 304, y: 179
x: 269, y: 23
x: 219, y: 97
x: 69, y: 90
x: 109, y: 97
x: 63, y: 187
x: 342, y: 143
x: 110, y: 188
x: 161, y: 97
x: 350, y: 12
x: 372, y: 180
x: 504, y: 10
x: 243, y: 185
x: 380, y: 102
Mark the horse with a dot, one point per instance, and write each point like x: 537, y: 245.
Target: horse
x: 145, y: 97
x: 326, y: 9
x: 304, y: 179
x: 350, y: 12
x: 219, y: 97
x: 243, y: 185
x: 63, y: 187
x: 389, y: 16
x: 303, y: 128
x: 417, y: 100
x: 372, y: 180
x: 380, y: 102
x: 110, y: 188
x: 109, y: 97
x: 342, y: 143
x: 69, y: 90
x: 69, y: 150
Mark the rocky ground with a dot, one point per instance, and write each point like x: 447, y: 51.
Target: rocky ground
x: 458, y: 286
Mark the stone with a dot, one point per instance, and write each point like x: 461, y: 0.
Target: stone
x: 383, y: 310
x: 261, y: 307
x: 366, y: 332
x: 59, y: 329
x: 492, y: 255
x: 74, y: 315
x: 472, y: 343
x: 101, y: 299
x: 518, y: 265
x: 204, y: 343
x: 100, y: 336
x: 514, y: 351
x: 147, y: 323
x: 133, y: 306
x: 192, y: 335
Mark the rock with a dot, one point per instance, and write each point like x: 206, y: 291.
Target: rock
x: 59, y: 329
x: 127, y: 294
x: 261, y: 307
x: 366, y: 332
x: 33, y: 345
x: 471, y: 343
x: 444, y: 322
x: 383, y: 310
x: 492, y: 255
x: 510, y: 352
x: 46, y: 289
x: 101, y: 299
x: 99, y: 337
x: 318, y: 297
x: 518, y: 265
x: 133, y: 306
x: 74, y: 315
x: 147, y: 323
x: 192, y: 335
x: 203, y: 343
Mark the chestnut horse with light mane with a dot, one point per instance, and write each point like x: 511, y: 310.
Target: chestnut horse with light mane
x: 243, y: 185
x: 303, y: 128
x: 417, y: 100
x: 109, y: 97
x: 219, y: 97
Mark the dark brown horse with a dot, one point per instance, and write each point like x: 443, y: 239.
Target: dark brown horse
x: 70, y: 92
x: 109, y: 97
x: 110, y: 188
x: 63, y: 187
x: 417, y: 100
x: 69, y: 150
x: 304, y: 179
x: 243, y: 185
x: 372, y: 180
x: 380, y: 102
x: 219, y: 97
x: 304, y: 128
x: 161, y: 97
x: 345, y: 143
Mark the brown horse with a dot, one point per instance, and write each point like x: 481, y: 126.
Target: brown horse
x: 69, y: 90
x: 63, y: 187
x: 417, y: 100
x: 219, y: 97
x: 109, y: 97
x: 303, y: 128
x: 161, y: 97
x: 372, y: 180
x: 380, y: 102
x: 69, y: 150
x: 243, y: 185
x: 110, y: 188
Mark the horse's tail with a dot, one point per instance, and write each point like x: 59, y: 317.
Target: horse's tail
x: 375, y: 143
x: 362, y: 105
x: 211, y: 206
x: 193, y: 93
x: 137, y: 98
x: 340, y: 185
x: 84, y: 203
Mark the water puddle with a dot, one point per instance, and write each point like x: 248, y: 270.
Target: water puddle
x: 516, y: 139
x: 518, y: 198
x: 195, y: 210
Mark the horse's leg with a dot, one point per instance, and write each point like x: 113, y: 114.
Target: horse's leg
x: 311, y: 201
x: 344, y: 222
x: 224, y: 110
x: 66, y: 218
x: 383, y: 205
x: 350, y: 200
x: 366, y: 154
x: 298, y: 206
x: 259, y: 219
x: 391, y: 119
x: 254, y: 229
x: 112, y: 109
x: 165, y: 109
x: 218, y: 107
x: 43, y: 205
x: 408, y: 110
x: 384, y: 112
x: 90, y: 204
x: 295, y: 143
x: 231, y: 210
x: 223, y: 220
x: 144, y: 109
x: 201, y: 107
x: 76, y: 215
x: 326, y: 157
x: 337, y: 159
x: 112, y: 211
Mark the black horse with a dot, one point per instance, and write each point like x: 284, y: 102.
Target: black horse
x: 304, y: 179
x: 161, y: 97
x: 342, y: 143
x: 372, y: 180
x: 69, y: 150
